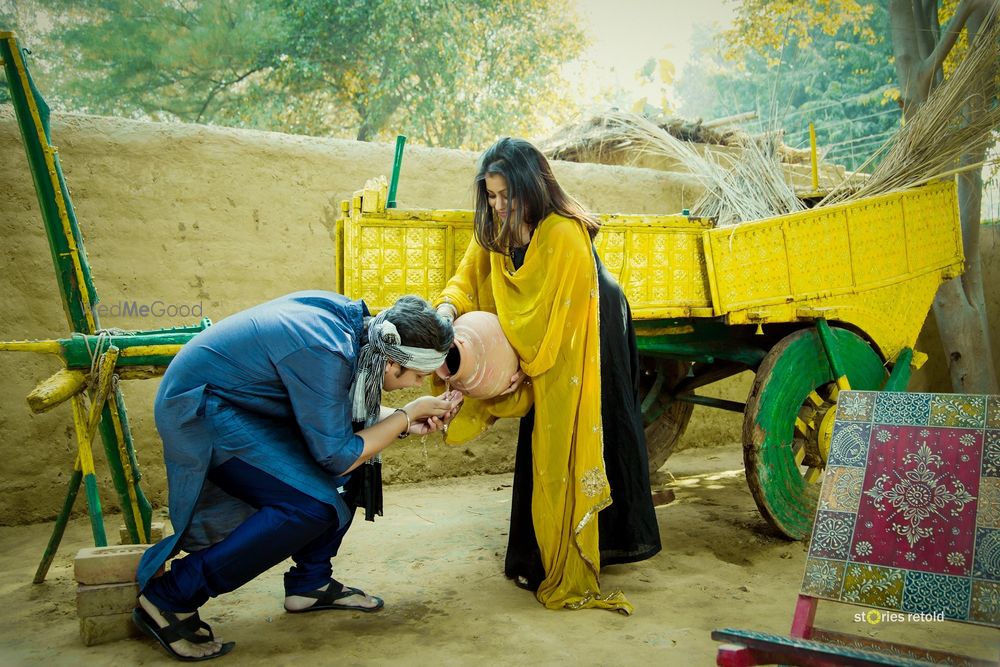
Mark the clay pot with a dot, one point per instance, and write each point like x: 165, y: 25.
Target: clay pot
x: 481, y: 361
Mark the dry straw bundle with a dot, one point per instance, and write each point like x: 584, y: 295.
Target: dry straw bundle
x: 932, y: 142
x: 617, y: 136
x: 596, y: 139
x: 752, y: 185
x: 749, y: 186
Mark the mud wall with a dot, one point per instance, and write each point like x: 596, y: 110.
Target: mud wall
x: 219, y: 219
x: 215, y: 219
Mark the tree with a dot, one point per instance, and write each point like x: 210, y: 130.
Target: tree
x: 444, y: 72
x: 193, y: 61
x: 17, y: 17
x: 838, y: 75
x: 921, y: 45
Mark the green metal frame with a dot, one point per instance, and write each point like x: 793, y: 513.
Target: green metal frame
x: 79, y: 298
x: 699, y: 339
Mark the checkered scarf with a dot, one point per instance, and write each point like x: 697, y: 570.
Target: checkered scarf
x: 384, y: 345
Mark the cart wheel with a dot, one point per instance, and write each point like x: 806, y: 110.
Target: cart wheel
x: 788, y: 421
x: 664, y: 418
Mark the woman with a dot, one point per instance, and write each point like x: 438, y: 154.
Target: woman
x: 532, y: 262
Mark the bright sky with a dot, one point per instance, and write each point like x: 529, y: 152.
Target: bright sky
x: 625, y: 34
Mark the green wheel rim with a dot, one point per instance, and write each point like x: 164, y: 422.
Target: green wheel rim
x: 793, y: 390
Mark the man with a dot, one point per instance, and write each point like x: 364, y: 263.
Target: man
x: 256, y: 416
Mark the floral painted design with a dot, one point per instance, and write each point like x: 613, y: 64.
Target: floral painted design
x: 919, y: 493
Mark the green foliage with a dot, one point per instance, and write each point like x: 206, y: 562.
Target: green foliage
x: 14, y: 17
x: 189, y: 61
x: 445, y: 73
x: 793, y: 69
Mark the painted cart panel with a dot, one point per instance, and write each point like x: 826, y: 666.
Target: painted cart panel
x: 383, y: 254
x: 791, y: 298
x: 874, y: 264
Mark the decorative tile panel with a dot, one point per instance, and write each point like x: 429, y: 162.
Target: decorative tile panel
x: 909, y: 513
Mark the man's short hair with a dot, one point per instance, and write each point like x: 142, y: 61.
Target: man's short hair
x: 419, y: 325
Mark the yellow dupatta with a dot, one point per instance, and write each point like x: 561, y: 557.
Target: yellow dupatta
x: 549, y: 311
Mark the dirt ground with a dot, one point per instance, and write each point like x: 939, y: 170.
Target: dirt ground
x: 436, y: 557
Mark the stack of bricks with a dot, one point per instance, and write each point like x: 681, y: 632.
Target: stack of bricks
x: 106, y: 591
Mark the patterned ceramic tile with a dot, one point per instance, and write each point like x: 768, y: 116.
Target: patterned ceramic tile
x: 831, y: 536
x: 916, y: 487
x: 909, y: 512
x: 993, y: 412
x: 987, y: 565
x: 984, y: 606
x: 989, y: 503
x: 991, y: 454
x: 823, y: 578
x: 849, y: 444
x: 926, y: 593
x: 873, y: 586
x: 842, y: 489
x: 958, y: 410
x: 856, y: 406
x: 902, y: 408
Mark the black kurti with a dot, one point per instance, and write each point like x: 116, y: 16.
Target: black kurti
x: 627, y: 528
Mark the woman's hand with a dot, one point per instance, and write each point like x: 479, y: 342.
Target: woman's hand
x: 516, y: 380
x: 447, y: 311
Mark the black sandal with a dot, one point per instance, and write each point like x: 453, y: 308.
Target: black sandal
x: 522, y: 582
x: 328, y: 599
x: 179, y: 629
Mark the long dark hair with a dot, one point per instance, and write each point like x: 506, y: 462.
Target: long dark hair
x: 531, y: 187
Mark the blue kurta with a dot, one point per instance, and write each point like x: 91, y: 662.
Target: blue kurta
x: 269, y: 385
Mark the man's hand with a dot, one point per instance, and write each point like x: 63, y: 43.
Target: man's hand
x: 434, y: 423
x: 424, y: 415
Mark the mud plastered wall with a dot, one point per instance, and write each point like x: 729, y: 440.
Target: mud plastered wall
x: 219, y: 220
x: 222, y: 219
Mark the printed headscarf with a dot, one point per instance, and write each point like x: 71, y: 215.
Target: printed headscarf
x: 384, y: 344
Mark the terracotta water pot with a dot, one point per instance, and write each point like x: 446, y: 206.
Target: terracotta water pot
x: 481, y: 361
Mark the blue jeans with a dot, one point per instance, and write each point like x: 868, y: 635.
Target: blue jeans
x: 287, y: 523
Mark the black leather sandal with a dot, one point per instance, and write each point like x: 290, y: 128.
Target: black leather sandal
x: 178, y: 629
x: 336, y: 591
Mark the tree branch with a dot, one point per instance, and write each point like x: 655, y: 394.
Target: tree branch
x: 219, y: 87
x: 948, y: 38
x: 904, y: 28
x: 925, y: 16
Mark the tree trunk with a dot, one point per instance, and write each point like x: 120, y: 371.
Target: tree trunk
x: 965, y: 339
x: 959, y: 305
